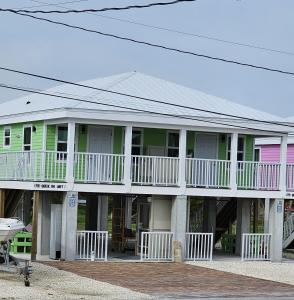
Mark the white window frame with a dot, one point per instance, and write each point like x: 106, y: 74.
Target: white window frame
x: 259, y: 149
x: 141, y: 142
x: 31, y: 141
x: 57, y: 142
x: 238, y: 151
x: 171, y: 147
x: 4, y: 137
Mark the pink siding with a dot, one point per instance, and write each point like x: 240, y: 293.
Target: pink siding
x: 271, y: 153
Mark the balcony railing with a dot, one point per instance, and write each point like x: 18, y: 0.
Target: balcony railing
x: 155, y: 170
x: 99, y: 168
x: 145, y: 170
x: 209, y: 173
x: 258, y: 176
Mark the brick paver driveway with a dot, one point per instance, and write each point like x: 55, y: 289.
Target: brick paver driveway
x: 176, y: 280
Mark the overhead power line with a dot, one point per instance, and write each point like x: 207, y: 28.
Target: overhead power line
x: 141, y: 98
x: 30, y: 90
x: 180, y: 32
x: 52, y: 4
x: 93, y: 9
x: 150, y: 44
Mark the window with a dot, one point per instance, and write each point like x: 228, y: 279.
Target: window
x: 27, y: 138
x: 7, y: 136
x: 257, y: 154
x: 172, y: 144
x: 61, y: 144
x: 137, y: 142
x: 240, y: 151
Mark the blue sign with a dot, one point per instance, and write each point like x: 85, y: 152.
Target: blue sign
x: 72, y: 199
x: 280, y: 207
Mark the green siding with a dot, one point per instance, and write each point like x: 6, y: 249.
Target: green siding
x: 82, y: 131
x: 154, y: 137
x: 222, y: 147
x: 249, y: 145
x: 117, y: 140
x: 17, y: 136
x: 51, y: 138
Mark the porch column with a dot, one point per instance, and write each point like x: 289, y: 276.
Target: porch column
x: 266, y: 215
x: 69, y: 225
x: 276, y: 220
x: 209, y: 215
x: 35, y: 225
x: 283, y: 162
x: 234, y: 163
x: 179, y: 225
x: 182, y: 159
x: 243, y: 221
x: 128, y: 157
x: 2, y: 203
x: 70, y: 152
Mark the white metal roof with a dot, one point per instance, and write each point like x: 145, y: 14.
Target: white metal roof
x: 136, y: 84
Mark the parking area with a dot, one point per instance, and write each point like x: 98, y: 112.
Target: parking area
x: 176, y: 280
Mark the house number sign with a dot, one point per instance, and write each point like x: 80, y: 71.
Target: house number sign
x: 280, y: 207
x: 72, y: 199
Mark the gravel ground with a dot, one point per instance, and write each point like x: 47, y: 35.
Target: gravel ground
x: 280, y: 272
x: 51, y: 283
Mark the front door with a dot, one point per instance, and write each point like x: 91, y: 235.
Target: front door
x: 99, y: 146
x: 206, y: 166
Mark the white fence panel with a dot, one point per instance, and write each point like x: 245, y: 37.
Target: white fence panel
x: 199, y: 246
x: 156, y: 246
x: 256, y: 246
x: 99, y: 168
x: 91, y: 245
x: 208, y: 173
x: 258, y: 175
x: 155, y: 170
x: 290, y: 177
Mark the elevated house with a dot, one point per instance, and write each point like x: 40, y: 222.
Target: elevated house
x: 164, y: 178
x: 267, y: 150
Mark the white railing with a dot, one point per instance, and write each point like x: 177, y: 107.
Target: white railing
x: 256, y: 246
x: 156, y: 246
x: 258, y: 175
x: 91, y: 245
x: 33, y: 165
x: 289, y: 226
x: 208, y: 173
x: 290, y: 177
x: 198, y: 246
x: 155, y: 170
x: 53, y: 166
x: 99, y: 168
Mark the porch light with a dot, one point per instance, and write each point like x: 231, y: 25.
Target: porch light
x: 34, y: 129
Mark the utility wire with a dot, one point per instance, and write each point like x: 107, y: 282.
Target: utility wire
x: 190, y: 34
x: 141, y: 98
x: 150, y: 44
x: 52, y: 4
x: 93, y: 9
x: 30, y: 90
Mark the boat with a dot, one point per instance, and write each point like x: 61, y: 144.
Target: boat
x: 9, y: 227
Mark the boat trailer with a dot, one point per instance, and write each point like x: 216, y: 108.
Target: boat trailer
x: 13, y: 264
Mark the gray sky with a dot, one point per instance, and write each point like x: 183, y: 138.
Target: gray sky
x: 73, y: 55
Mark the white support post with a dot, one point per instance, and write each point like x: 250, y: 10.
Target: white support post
x: 234, y: 162
x: 70, y: 153
x: 266, y: 215
x: 276, y: 219
x: 128, y: 157
x: 283, y: 163
x: 182, y: 159
x: 69, y: 225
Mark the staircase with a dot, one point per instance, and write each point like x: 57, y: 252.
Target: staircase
x: 12, y: 199
x: 226, y: 215
x: 288, y: 237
